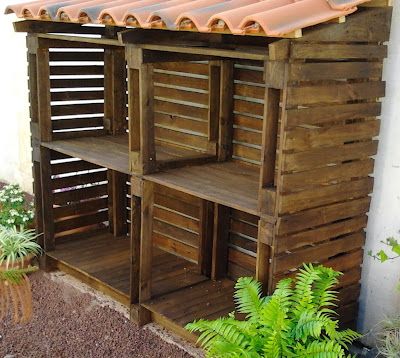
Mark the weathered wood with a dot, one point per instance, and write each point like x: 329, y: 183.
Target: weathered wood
x: 220, y: 242
x: 214, y: 100
x: 117, y: 191
x: 135, y: 254
x: 205, y: 254
x: 263, y: 261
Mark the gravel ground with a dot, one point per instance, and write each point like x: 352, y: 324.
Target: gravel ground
x: 69, y: 323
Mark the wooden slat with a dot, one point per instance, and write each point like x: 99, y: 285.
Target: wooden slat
x: 176, y: 233
x: 181, y: 95
x: 335, y: 93
x: 76, y: 70
x: 79, y: 208
x: 242, y: 106
x: 77, y: 83
x: 181, y: 138
x: 181, y: 81
x: 74, y: 123
x: 81, y: 221
x: 172, y: 121
x: 175, y: 247
x: 81, y: 179
x: 188, y: 67
x: 65, y: 197
x: 77, y: 95
x: 76, y: 56
x: 180, y: 109
x: 247, y: 75
x: 66, y: 110
x: 176, y: 219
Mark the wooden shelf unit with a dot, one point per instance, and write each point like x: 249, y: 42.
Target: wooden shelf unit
x: 217, y: 162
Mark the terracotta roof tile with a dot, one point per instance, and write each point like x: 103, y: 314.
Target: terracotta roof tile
x: 257, y: 17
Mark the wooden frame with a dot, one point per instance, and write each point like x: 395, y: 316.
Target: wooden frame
x: 241, y: 156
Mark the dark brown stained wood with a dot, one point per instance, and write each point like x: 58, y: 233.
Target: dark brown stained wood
x: 332, y: 113
x: 75, y: 134
x: 320, y: 252
x: 186, y: 67
x: 81, y: 221
x: 135, y: 254
x: 115, y: 90
x: 38, y: 195
x: 175, y: 247
x: 370, y: 25
x: 247, y: 75
x: 263, y: 263
x: 181, y: 81
x: 324, y: 156
x: 226, y: 111
x: 146, y: 242
x: 117, y: 191
x: 269, y: 141
x: 106, y: 151
x: 242, y: 259
x: 179, y: 138
x: 247, y: 137
x: 175, y: 204
x: 63, y: 41
x: 66, y: 110
x: 43, y: 93
x: 77, y: 83
x: 47, y: 200
x: 181, y: 109
x: 224, y: 183
x: 220, y: 242
x: 77, y: 56
x: 334, y: 93
x: 314, y: 236
x: 176, y: 233
x: 180, y: 94
x: 334, y: 71
x: 76, y: 95
x: 34, y: 26
x: 337, y: 50
x: 77, y: 123
x: 252, y: 108
x: 321, y: 216
x: 241, y: 152
x: 323, y: 176
x: 79, y: 208
x: 205, y: 254
x: 165, y: 215
x: 79, y: 179
x: 76, y: 70
x: 241, y: 120
x: 302, y: 139
x: 76, y: 195
x: 307, y: 199
x: 170, y: 120
x: 214, y: 87
x: 252, y: 92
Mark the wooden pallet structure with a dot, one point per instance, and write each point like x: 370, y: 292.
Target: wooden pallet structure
x: 168, y: 164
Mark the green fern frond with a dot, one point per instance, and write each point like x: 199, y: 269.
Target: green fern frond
x: 15, y: 276
x: 324, y: 296
x: 248, y: 297
x: 346, y: 337
x: 318, y: 349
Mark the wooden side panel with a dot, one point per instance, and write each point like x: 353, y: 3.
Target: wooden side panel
x: 249, y: 93
x: 176, y: 223
x: 327, y: 141
x: 77, y: 92
x: 242, y: 244
x: 181, y: 105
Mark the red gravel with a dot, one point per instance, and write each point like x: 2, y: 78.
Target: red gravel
x: 68, y: 323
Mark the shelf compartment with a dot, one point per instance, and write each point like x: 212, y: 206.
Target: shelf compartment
x: 112, y: 152
x: 208, y: 300
x: 231, y: 184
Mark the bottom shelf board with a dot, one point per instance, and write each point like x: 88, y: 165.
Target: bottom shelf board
x: 103, y: 262
x: 208, y: 299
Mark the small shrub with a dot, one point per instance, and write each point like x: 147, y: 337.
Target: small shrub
x: 14, y: 210
x: 296, y: 321
x: 388, y: 338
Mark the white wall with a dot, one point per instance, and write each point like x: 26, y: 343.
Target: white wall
x: 379, y: 294
x: 15, y: 153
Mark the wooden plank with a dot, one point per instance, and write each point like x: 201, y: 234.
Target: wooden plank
x: 307, y: 199
x: 83, y: 207
x: 181, y: 81
x: 205, y: 251
x: 76, y: 56
x: 327, y: 175
x: 76, y: 70
x: 336, y: 93
x: 77, y: 180
x: 66, y: 96
x: 241, y: 106
x: 220, y: 242
x: 76, y: 195
x: 170, y: 120
x: 177, y: 219
x: 75, y: 109
x: 225, y: 124
x: 241, y: 259
x: 322, y: 216
x: 180, y: 94
x: 252, y: 92
x: 248, y: 75
x: 175, y: 247
x: 81, y: 221
x: 324, y: 156
x: 34, y: 26
x: 264, y: 252
x: 188, y: 67
x: 117, y: 191
x: 338, y: 51
x: 176, y: 233
x: 43, y: 93
x: 370, y: 25
x: 181, y: 109
x: 77, y: 123
x: 214, y: 85
x: 180, y: 138
x: 135, y: 253
x: 302, y: 139
x: 47, y: 200
x: 334, y: 71
x: 77, y: 83
x: 332, y: 113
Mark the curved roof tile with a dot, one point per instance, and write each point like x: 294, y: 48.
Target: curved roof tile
x: 257, y: 17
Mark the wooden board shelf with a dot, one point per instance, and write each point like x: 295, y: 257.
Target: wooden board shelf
x: 112, y: 152
x: 231, y: 184
x: 103, y: 262
x: 208, y: 300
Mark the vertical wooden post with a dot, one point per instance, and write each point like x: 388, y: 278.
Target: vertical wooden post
x: 141, y: 113
x: 117, y: 190
x: 264, y: 253
x: 206, y: 237
x: 220, y: 242
x: 214, y: 85
x: 47, y: 199
x: 115, y: 111
x: 226, y: 111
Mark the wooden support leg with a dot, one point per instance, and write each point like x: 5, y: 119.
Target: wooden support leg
x: 214, y: 105
x: 264, y: 254
x: 206, y: 237
x: 47, y: 199
x: 220, y: 242
x: 117, y: 189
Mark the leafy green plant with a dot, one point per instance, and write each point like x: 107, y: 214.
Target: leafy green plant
x: 296, y: 321
x: 14, y: 209
x: 17, y: 244
x: 382, y: 255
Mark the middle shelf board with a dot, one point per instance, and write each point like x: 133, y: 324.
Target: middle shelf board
x: 228, y: 183
x: 112, y: 152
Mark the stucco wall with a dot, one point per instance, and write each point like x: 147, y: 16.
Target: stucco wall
x: 379, y: 295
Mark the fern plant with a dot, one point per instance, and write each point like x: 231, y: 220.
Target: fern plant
x: 296, y: 321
